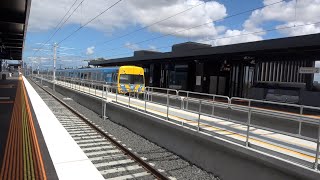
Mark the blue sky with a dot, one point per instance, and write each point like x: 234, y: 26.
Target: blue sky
x: 130, y: 15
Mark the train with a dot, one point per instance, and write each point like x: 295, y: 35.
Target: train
x: 126, y: 79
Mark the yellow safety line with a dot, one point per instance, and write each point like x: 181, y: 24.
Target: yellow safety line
x: 39, y: 159
x: 229, y: 132
x: 37, y: 166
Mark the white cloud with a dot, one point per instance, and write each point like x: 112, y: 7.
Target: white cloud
x: 237, y: 36
x: 131, y: 46
x: 152, y: 48
x: 206, y: 13
x: 45, y: 14
x: 299, y: 29
x: 90, y: 50
x: 287, y: 13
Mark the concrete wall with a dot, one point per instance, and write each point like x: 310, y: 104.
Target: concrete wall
x: 310, y: 98
x: 227, y: 160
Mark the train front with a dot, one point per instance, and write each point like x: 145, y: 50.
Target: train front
x: 131, y: 80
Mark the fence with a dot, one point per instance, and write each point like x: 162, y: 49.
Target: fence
x: 209, y: 105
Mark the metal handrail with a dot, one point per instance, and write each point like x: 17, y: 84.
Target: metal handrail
x: 249, y: 109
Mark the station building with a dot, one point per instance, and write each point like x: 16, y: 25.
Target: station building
x: 265, y: 70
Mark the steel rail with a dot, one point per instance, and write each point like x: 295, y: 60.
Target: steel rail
x: 125, y: 150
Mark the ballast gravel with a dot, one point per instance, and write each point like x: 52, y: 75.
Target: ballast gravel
x: 172, y: 165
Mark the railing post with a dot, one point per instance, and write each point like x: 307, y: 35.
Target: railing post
x: 248, y: 124
x: 102, y: 95
x: 148, y: 94
x: 151, y: 94
x: 229, y: 107
x: 213, y: 99
x: 106, y: 93
x: 300, y: 122
x: 199, y: 115
x: 129, y: 100
x: 187, y: 105
x: 145, y: 102
x: 117, y: 94
x: 182, y: 102
x: 89, y: 85
x: 104, y: 110
x: 167, y: 106
x: 317, y: 150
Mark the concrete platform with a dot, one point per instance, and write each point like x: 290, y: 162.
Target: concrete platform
x: 218, y: 149
x: 19, y: 130
x: 68, y: 159
x: 8, y: 90
x: 285, y: 146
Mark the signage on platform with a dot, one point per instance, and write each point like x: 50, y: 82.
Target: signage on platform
x: 309, y: 70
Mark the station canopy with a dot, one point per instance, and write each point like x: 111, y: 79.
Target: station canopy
x: 291, y: 46
x: 14, y: 15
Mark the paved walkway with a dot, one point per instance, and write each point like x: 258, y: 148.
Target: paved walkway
x: 8, y: 90
x: 23, y: 153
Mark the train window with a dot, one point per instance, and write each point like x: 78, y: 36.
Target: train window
x: 114, y: 78
x: 105, y: 76
x: 124, y: 79
x: 131, y: 79
x: 93, y: 76
x: 137, y: 79
x: 98, y: 76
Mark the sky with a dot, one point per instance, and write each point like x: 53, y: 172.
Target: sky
x: 128, y: 25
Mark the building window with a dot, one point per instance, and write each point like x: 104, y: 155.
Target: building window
x: 178, y: 77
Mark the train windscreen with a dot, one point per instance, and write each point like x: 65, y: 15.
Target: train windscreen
x: 131, y: 79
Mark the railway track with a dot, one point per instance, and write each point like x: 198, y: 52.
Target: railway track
x: 110, y: 157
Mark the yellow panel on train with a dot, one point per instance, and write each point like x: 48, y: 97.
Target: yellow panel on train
x: 130, y: 79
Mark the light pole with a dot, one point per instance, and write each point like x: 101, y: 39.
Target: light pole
x: 31, y: 68
x: 54, y: 65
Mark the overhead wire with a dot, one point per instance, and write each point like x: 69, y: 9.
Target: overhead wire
x: 152, y: 24
x: 67, y: 19
x: 88, y: 22
x: 59, y: 25
x: 239, y: 35
x: 194, y: 27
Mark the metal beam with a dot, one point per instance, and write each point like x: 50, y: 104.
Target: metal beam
x: 10, y: 16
